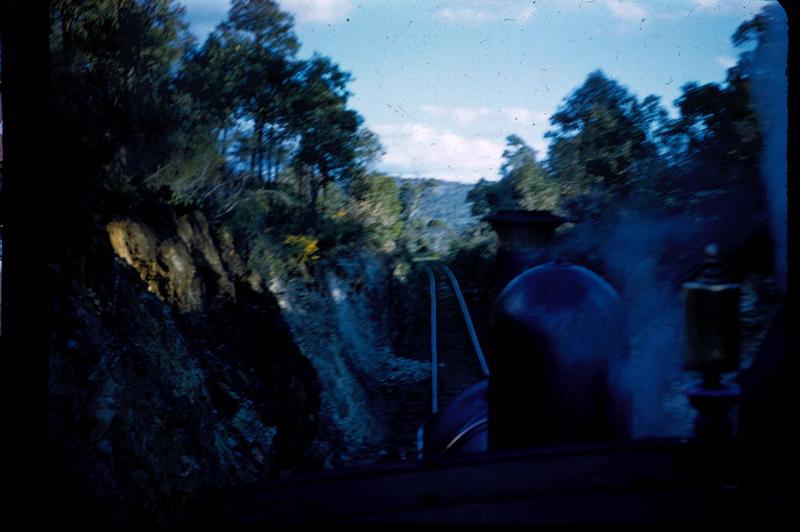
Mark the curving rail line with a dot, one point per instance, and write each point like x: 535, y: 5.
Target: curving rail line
x: 465, y: 311
x: 434, y: 325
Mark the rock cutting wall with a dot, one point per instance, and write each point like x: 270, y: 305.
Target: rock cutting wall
x: 171, y: 371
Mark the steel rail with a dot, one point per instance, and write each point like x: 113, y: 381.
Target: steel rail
x: 434, y: 362
x: 467, y: 319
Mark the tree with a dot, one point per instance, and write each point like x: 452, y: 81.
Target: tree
x: 532, y: 186
x: 269, y: 47
x: 262, y: 46
x: 715, y: 142
x: 115, y: 103
x: 241, y: 81
x: 329, y: 133
x: 368, y: 149
x: 212, y: 76
x: 719, y: 122
x: 276, y: 116
x: 524, y: 183
x: 602, y: 137
x: 378, y: 206
x: 265, y: 24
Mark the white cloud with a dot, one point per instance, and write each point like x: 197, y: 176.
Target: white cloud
x: 468, y: 115
x: 427, y: 151
x: 477, y: 11
x: 465, y: 116
x: 483, y: 11
x: 626, y: 10
x: 462, y: 14
x: 494, y: 124
x: 725, y: 61
x: 526, y: 13
x: 318, y: 11
x: 538, y: 144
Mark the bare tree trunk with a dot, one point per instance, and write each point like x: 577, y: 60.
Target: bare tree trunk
x: 260, y: 151
x: 65, y: 36
x: 313, y: 189
x: 300, y: 185
x: 252, y: 160
x: 278, y: 162
x: 270, y: 149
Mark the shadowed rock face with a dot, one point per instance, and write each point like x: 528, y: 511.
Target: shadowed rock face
x: 171, y: 370
x: 559, y: 345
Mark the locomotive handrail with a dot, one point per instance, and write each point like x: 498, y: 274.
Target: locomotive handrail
x: 473, y: 426
x: 465, y: 311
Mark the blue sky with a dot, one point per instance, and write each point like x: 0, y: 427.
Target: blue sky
x: 443, y: 82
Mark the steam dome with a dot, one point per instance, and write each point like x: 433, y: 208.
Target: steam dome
x: 558, y: 343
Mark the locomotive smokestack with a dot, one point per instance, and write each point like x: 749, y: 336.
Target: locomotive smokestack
x: 523, y: 239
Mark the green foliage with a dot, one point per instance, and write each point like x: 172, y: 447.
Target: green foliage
x: 211, y: 76
x: 264, y: 212
x: 473, y: 258
x: 609, y: 149
x: 276, y: 115
x: 524, y: 184
x: 263, y: 22
x: 602, y: 138
x: 329, y: 132
x: 114, y: 105
x: 368, y: 149
x: 237, y: 126
x: 719, y: 122
x: 193, y: 175
x: 243, y: 74
x: 713, y: 147
x: 376, y: 202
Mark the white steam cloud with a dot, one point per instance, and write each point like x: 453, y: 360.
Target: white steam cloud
x: 770, y: 89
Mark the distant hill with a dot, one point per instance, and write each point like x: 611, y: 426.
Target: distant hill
x: 445, y: 201
x: 439, y: 209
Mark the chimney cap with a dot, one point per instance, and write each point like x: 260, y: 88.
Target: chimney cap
x: 514, y: 216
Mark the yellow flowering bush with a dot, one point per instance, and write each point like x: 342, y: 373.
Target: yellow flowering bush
x: 304, y: 247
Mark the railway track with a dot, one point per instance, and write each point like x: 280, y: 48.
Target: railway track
x: 457, y: 360
x: 436, y: 333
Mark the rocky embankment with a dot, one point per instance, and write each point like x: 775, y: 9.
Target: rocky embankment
x: 171, y: 370
x: 343, y: 320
